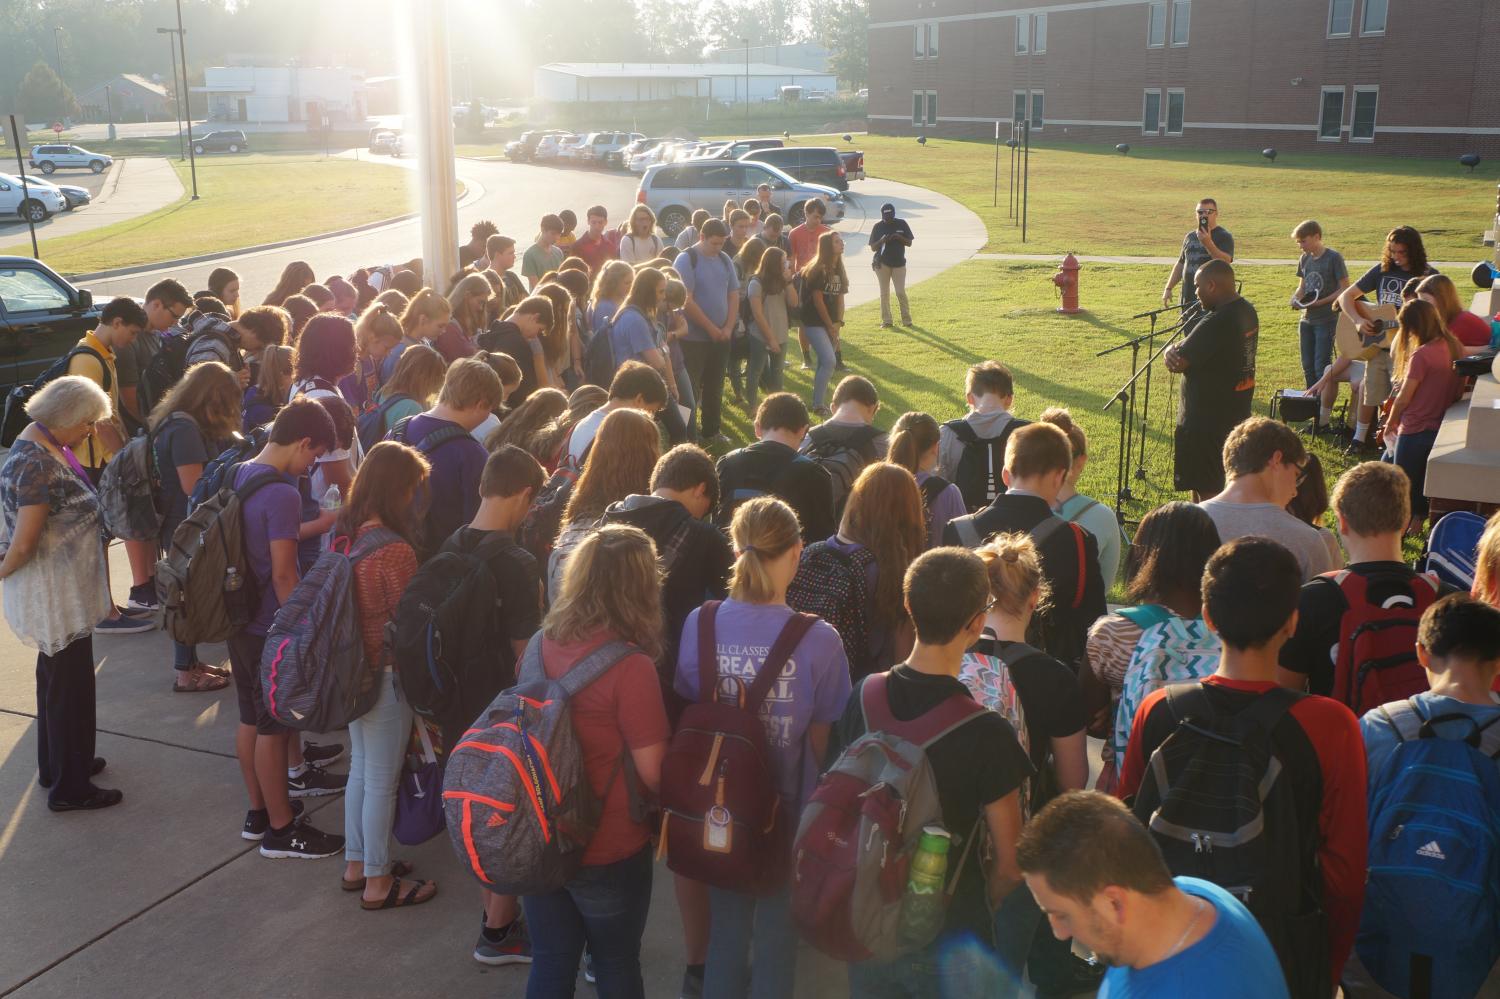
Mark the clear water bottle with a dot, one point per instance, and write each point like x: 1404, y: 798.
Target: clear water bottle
x: 332, y: 499
x: 922, y: 907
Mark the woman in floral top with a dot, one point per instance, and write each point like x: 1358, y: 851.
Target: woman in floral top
x: 381, y: 499
x: 55, y: 589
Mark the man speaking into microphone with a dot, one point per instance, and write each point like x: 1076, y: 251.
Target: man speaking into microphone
x: 1217, y: 363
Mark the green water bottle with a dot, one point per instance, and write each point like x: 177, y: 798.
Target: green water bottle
x: 922, y: 906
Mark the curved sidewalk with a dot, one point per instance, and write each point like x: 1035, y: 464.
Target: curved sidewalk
x: 136, y: 186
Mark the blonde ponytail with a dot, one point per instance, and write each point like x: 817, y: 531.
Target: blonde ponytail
x: 763, y: 530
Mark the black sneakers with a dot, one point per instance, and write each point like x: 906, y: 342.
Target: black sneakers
x: 258, y: 822
x: 314, y: 782
x: 301, y: 842
x: 321, y: 756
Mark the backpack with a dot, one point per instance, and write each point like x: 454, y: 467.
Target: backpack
x: 518, y: 803
x: 427, y: 446
x: 832, y: 584
x: 969, y: 537
x: 219, y: 470
x: 169, y: 364
x: 1453, y: 548
x: 723, y: 819
x: 203, y: 582
x: 989, y: 679
x: 313, y: 669
x: 445, y: 628
x: 599, y: 357
x: 543, y: 520
x: 371, y: 427
x: 1377, y: 658
x: 129, y: 487
x: 761, y: 480
x: 1217, y: 798
x: 981, y: 461
x: 861, y: 827
x: 1431, y: 921
x: 1171, y: 649
x: 844, y: 457
x: 15, y: 418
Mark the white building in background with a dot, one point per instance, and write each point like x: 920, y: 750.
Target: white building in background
x: 565, y: 82
x: 279, y: 94
x: 806, y: 56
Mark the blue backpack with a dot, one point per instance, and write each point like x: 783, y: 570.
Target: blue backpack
x: 1453, y: 548
x: 371, y: 427
x: 1431, y: 923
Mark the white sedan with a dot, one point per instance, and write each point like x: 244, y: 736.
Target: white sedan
x: 38, y: 202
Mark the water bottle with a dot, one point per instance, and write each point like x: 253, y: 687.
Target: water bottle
x: 332, y: 499
x: 922, y: 906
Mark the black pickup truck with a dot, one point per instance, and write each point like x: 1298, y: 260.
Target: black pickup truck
x: 41, y: 317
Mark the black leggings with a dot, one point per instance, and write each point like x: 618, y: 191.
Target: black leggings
x: 65, y: 720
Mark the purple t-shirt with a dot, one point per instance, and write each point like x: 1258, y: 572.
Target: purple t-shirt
x: 274, y: 513
x: 453, y: 484
x: 813, y: 686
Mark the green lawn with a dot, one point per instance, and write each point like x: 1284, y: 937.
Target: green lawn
x: 244, y: 201
x: 1090, y: 199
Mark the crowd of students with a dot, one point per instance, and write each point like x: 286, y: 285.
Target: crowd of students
x: 483, y: 446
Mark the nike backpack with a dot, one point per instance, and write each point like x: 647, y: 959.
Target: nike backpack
x: 861, y: 827
x: 313, y: 670
x: 833, y: 584
x: 1171, y: 649
x: 981, y: 462
x: 517, y: 799
x: 1431, y: 921
x: 1218, y: 797
x: 1377, y: 657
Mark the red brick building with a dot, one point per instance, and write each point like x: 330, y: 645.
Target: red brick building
x: 1410, y: 77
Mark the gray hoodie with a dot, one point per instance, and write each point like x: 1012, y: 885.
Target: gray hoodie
x: 951, y: 449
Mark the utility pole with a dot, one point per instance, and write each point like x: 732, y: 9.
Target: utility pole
x: 176, y: 91
x: 747, y: 87
x: 57, y: 39
x: 109, y: 112
x: 187, y: 104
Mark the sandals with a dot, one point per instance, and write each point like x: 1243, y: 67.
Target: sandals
x: 399, y: 869
x: 200, y: 681
x: 394, y: 899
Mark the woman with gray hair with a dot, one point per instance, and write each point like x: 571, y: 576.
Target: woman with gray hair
x: 55, y: 589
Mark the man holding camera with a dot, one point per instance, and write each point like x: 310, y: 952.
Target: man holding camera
x: 1208, y: 241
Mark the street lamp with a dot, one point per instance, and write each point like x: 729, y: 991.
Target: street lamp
x: 176, y: 92
x: 187, y: 106
x: 747, y: 86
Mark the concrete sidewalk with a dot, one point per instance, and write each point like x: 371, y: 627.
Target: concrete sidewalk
x: 136, y: 186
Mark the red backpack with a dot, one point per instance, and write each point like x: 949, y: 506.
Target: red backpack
x: 723, y: 820
x: 1377, y: 657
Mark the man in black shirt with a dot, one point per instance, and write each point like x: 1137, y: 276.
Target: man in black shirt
x: 520, y: 336
x: 1208, y: 241
x: 773, y: 467
x: 889, y: 239
x: 1217, y: 363
x: 979, y: 767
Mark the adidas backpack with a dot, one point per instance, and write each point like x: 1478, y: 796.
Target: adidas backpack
x: 980, y: 462
x: 371, y: 428
x: 723, y: 821
x: 989, y: 679
x: 1431, y: 921
x: 203, y: 582
x: 516, y: 796
x: 1377, y: 657
x: 844, y: 453
x: 313, y: 669
x: 832, y: 584
x: 1171, y: 649
x: 861, y: 827
x: 15, y: 418
x: 1218, y: 797
x: 445, y: 628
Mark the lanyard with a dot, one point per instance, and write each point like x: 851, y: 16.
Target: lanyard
x: 68, y: 456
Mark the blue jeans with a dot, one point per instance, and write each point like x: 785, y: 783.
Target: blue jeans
x: 736, y: 924
x: 764, y: 368
x: 1411, y: 455
x: 952, y: 967
x: 822, y: 345
x: 1316, y: 336
x: 377, y: 741
x: 604, y: 907
x: 183, y: 656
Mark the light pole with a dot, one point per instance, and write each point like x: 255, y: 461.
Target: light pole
x: 176, y: 93
x: 57, y: 40
x: 187, y: 104
x: 109, y: 112
x: 747, y: 86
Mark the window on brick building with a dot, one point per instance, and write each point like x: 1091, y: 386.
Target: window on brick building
x: 1037, y: 107
x: 1373, y: 22
x: 1151, y: 113
x: 1340, y: 17
x: 1362, y: 128
x: 918, y: 107
x: 1181, y: 15
x: 1018, y: 108
x: 919, y: 43
x: 1156, y: 25
x: 1331, y: 116
x: 1039, y: 34
x: 932, y: 41
x: 1023, y: 34
x: 1176, y: 101
x: 932, y: 118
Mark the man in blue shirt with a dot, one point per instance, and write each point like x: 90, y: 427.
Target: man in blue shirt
x: 1100, y: 879
x: 713, y: 305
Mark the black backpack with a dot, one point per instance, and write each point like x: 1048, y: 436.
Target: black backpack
x: 1218, y: 796
x: 544, y: 518
x: 219, y: 471
x: 983, y: 459
x: 752, y: 478
x: 169, y: 364
x: 832, y: 584
x: 844, y: 453
x: 371, y: 426
x: 599, y: 357
x: 15, y: 418
x: 444, y: 638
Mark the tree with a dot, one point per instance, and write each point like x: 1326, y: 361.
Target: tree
x: 44, y: 97
x: 844, y: 26
x: 763, y: 22
x: 673, y: 30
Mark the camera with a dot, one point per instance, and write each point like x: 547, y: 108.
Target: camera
x: 1202, y: 221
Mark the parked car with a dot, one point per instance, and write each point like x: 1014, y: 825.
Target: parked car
x: 76, y: 197
x: 734, y: 150
x: 649, y: 156
x: 523, y: 148
x: 63, y: 156
x: 34, y: 202
x: 674, y: 190
x: 228, y: 141
x: 709, y: 150
x: 812, y: 164
x: 854, y: 164
x: 597, y: 146
x: 403, y: 145
x: 619, y: 159
x: 383, y: 141
x: 549, y: 149
x: 41, y: 317
x: 570, y: 149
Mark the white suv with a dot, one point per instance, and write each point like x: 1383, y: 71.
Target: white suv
x: 53, y: 157
x: 39, y: 201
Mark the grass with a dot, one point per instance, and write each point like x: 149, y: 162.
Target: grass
x: 244, y: 201
x: 1090, y: 199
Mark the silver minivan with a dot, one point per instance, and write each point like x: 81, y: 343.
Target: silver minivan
x: 674, y: 190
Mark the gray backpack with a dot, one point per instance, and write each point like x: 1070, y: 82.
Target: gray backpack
x: 129, y: 487
x: 313, y: 669
x: 515, y: 793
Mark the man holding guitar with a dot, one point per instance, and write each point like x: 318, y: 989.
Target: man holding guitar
x: 1403, y: 259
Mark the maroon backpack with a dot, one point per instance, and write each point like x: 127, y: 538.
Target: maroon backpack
x: 1377, y: 658
x: 723, y: 820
